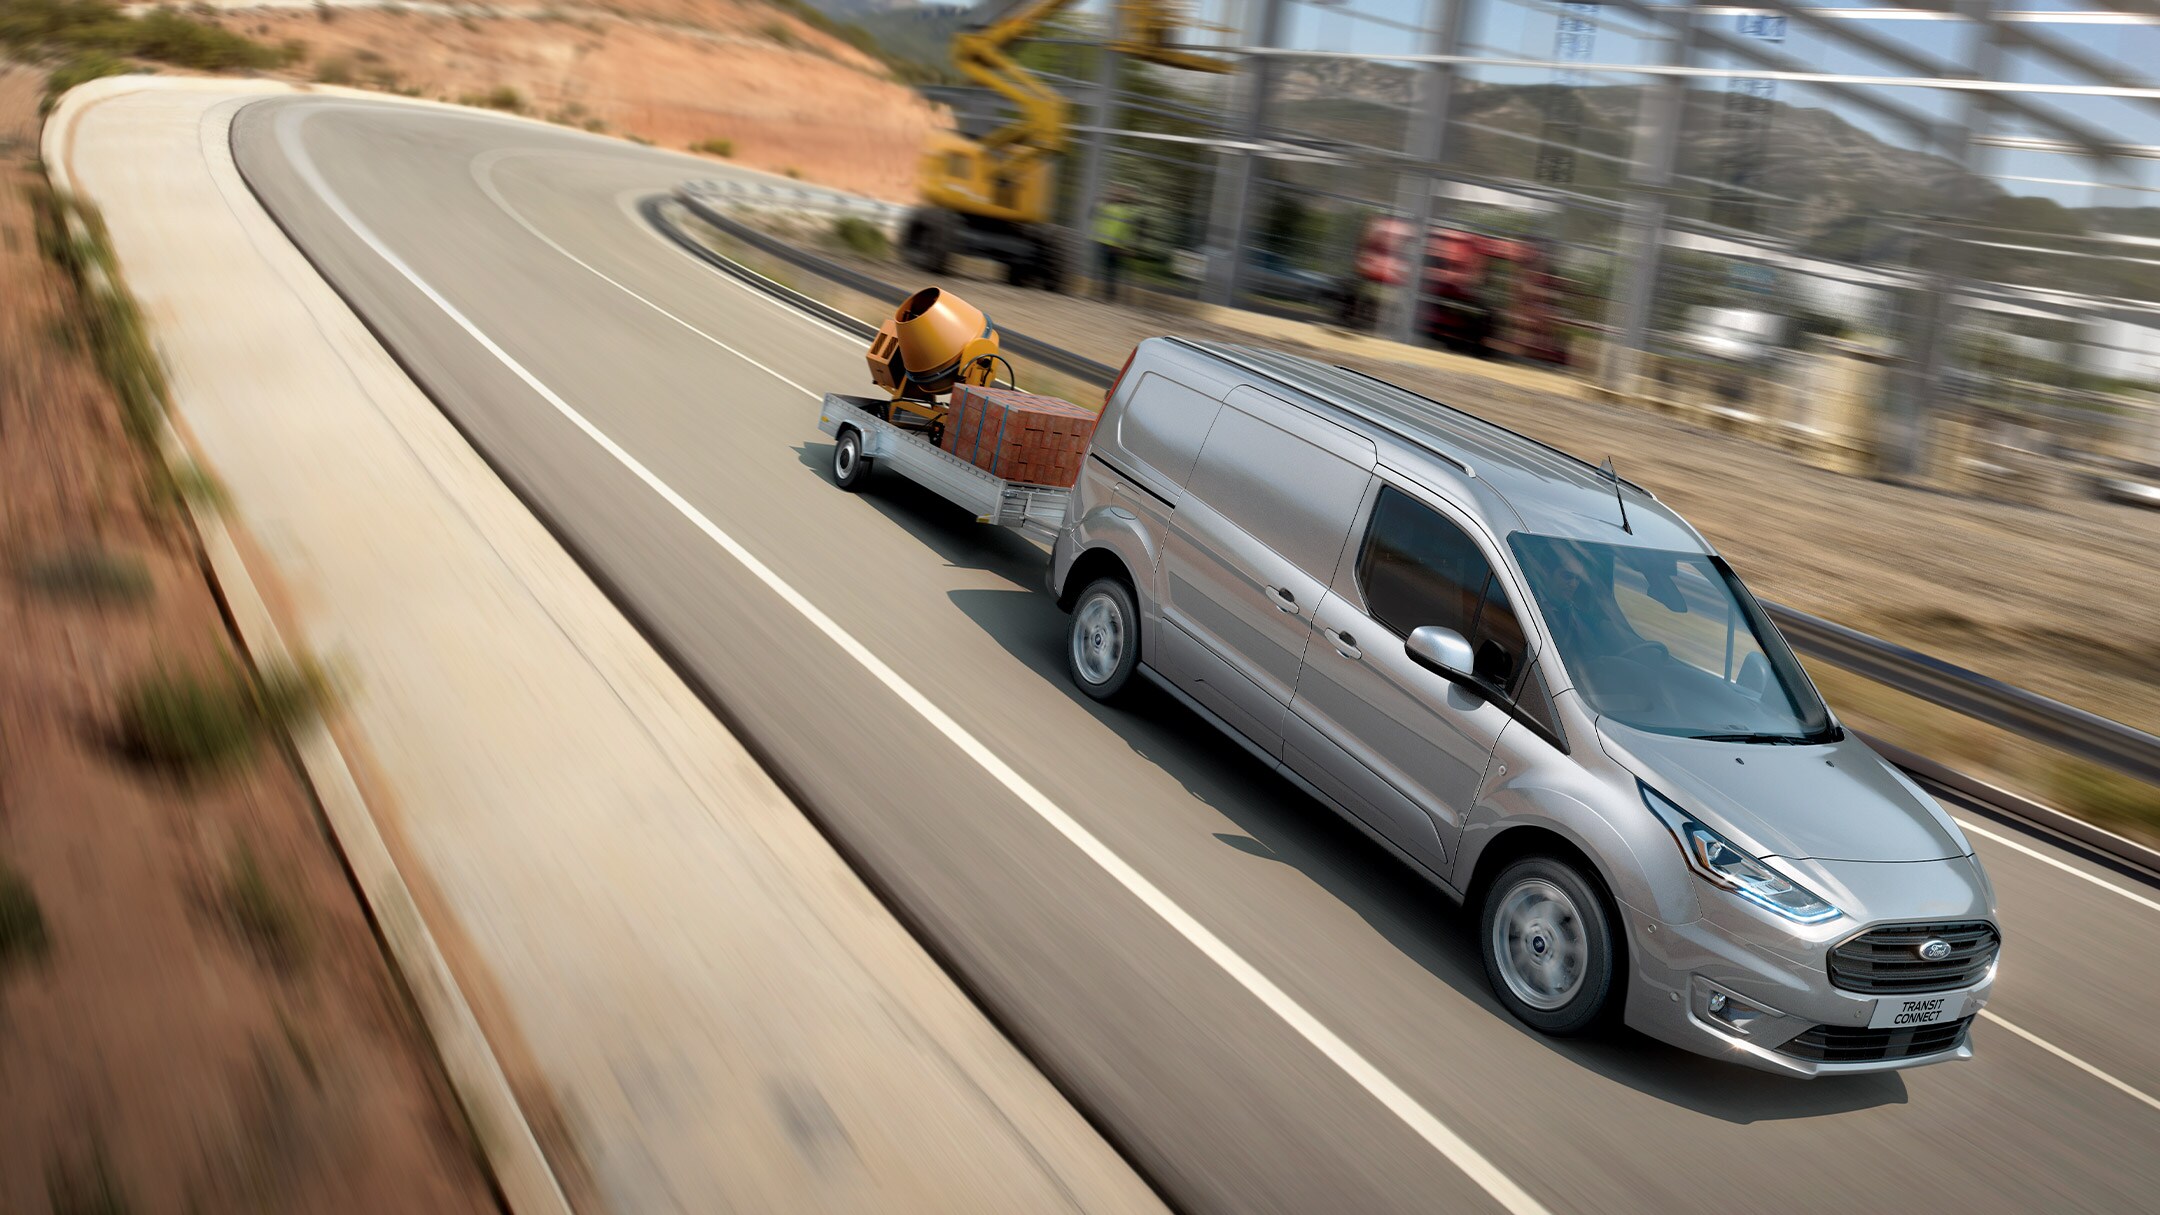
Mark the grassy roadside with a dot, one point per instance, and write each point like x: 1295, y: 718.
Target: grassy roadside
x: 198, y: 1017
x: 86, y: 39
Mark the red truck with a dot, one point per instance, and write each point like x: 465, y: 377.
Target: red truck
x: 1485, y: 295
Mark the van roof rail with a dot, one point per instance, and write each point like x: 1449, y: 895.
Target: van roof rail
x: 1393, y: 427
x: 1564, y: 454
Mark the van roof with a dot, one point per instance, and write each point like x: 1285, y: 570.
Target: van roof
x: 1550, y: 491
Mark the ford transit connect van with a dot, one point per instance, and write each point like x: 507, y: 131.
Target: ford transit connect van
x: 1538, y: 685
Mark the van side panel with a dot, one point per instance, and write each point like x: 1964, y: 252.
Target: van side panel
x: 1289, y: 480
x: 1163, y: 424
x: 1251, y: 546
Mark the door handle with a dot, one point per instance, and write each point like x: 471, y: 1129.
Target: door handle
x: 1284, y: 598
x: 1345, y: 644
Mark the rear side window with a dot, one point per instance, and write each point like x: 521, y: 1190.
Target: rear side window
x: 1417, y: 568
x: 1289, y: 493
x: 1164, y: 424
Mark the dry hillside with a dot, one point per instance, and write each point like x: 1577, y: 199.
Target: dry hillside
x: 779, y: 94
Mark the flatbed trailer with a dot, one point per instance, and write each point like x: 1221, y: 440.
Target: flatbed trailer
x: 863, y: 435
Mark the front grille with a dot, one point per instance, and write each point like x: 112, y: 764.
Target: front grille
x: 1888, y: 959
x: 1859, y: 1044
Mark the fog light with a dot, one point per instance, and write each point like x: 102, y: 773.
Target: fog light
x: 1717, y: 1001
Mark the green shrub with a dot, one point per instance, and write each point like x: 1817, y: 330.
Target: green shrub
x: 183, y: 721
x: 119, y: 341
x: 89, y: 574
x: 860, y: 235
x: 260, y: 912
x: 503, y: 97
x: 22, y: 922
x: 793, y: 172
x: 722, y: 148
x: 80, y: 69
x: 778, y: 32
x: 337, y: 69
x: 199, y: 487
x: 288, y: 693
x: 171, y: 38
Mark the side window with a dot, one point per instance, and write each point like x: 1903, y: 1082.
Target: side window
x: 1164, y: 424
x: 1535, y: 700
x: 1498, y: 644
x: 1418, y: 569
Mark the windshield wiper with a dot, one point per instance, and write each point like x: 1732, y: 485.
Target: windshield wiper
x: 1777, y: 740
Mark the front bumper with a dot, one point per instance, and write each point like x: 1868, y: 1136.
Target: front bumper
x: 1780, y: 1011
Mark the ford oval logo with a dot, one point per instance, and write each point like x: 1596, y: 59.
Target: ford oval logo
x: 1935, y: 950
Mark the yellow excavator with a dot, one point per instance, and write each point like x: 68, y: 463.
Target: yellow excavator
x: 993, y: 196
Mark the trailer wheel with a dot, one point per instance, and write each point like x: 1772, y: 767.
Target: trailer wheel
x: 849, y: 464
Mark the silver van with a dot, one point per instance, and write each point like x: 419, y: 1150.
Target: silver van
x: 1537, y: 684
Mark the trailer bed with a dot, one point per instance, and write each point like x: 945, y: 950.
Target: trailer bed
x: 1038, y: 510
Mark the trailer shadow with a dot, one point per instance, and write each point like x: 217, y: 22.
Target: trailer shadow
x: 1280, y: 823
x: 945, y: 529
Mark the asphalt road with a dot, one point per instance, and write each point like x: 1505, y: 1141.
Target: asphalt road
x: 1262, y: 1011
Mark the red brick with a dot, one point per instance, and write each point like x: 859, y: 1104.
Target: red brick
x: 1017, y: 435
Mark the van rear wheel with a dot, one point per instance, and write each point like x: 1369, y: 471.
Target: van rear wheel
x: 1548, y: 946
x: 1103, y: 646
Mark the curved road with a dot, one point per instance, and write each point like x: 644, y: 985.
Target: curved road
x: 1261, y: 1009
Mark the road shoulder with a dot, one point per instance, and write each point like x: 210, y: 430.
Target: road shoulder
x: 719, y: 1012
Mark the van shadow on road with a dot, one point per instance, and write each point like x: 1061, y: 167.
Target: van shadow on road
x: 1282, y: 824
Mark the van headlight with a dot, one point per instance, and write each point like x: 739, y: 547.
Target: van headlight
x: 1719, y: 862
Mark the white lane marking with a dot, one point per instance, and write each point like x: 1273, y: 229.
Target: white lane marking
x: 2071, y: 1059
x: 486, y: 182
x: 2074, y: 871
x: 2022, y: 1032
x: 1344, y: 1056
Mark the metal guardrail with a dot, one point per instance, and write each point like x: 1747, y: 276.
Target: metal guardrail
x: 2063, y: 727
x: 2071, y: 730
x: 772, y: 195
x: 1035, y: 348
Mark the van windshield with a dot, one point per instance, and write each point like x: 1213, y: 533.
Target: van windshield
x: 1669, y: 642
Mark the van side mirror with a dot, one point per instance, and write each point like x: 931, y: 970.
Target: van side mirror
x: 1444, y: 652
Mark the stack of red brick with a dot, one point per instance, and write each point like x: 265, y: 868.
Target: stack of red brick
x: 1018, y: 435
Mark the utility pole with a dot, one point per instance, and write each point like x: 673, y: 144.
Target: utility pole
x: 1227, y: 215
x: 1642, y: 242
x: 1108, y: 61
x: 1910, y: 406
x: 1444, y: 24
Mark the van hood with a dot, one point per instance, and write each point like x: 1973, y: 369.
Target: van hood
x: 1829, y: 802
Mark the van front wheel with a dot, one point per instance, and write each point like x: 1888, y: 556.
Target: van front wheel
x: 1548, y: 946
x: 1103, y: 646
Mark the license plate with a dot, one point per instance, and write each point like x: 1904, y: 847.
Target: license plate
x: 1908, y: 1012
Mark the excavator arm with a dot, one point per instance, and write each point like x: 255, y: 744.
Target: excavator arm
x: 992, y: 194
x: 980, y: 54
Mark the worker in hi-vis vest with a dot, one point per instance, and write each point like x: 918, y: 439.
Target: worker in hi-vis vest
x: 1116, y: 222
